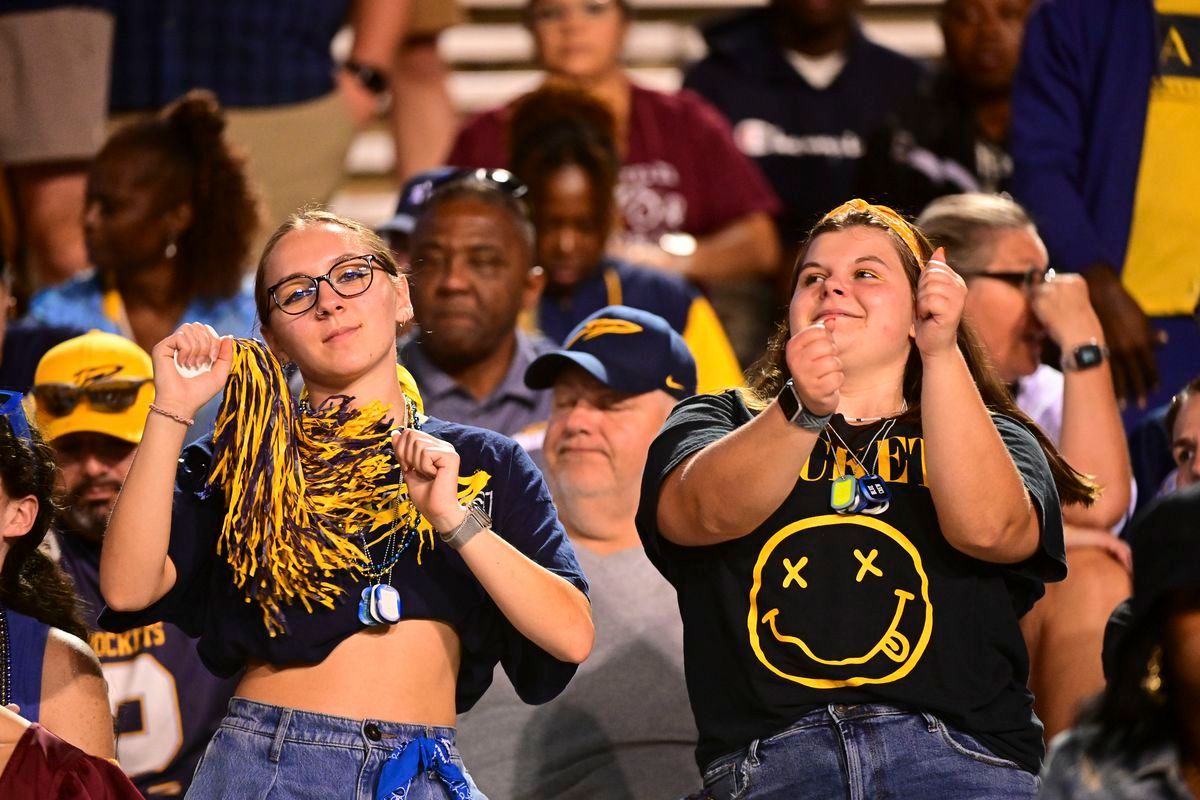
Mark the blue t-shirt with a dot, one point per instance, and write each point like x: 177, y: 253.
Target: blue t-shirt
x: 79, y: 303
x: 618, y: 283
x: 27, y: 650
x: 205, y: 603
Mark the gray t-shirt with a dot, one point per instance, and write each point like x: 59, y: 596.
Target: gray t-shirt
x: 622, y: 728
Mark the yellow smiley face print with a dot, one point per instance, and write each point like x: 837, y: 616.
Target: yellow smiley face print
x: 839, y: 601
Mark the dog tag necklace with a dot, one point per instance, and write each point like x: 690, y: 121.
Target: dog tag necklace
x: 379, y: 603
x: 868, y: 494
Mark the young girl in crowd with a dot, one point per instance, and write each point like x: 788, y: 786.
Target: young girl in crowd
x: 854, y: 539
x: 299, y: 544
x: 562, y: 146
x: 46, y: 670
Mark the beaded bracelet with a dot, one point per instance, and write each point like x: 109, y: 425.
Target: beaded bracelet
x: 172, y: 415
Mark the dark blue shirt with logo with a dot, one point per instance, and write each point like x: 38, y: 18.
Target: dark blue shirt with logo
x: 808, y: 141
x: 167, y: 703
x: 205, y: 603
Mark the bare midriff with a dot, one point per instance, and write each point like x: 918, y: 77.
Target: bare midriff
x: 405, y: 672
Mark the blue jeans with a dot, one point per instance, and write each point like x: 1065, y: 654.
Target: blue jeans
x: 865, y: 752
x: 265, y: 752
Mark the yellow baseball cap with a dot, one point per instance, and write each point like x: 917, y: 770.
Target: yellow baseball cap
x: 95, y: 383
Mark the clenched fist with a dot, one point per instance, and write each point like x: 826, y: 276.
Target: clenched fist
x: 817, y: 374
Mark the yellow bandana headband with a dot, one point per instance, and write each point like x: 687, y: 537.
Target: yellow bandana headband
x: 887, y: 216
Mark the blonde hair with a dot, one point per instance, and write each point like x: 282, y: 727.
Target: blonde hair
x: 967, y: 224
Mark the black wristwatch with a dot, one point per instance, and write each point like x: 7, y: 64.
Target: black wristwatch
x: 1084, y: 357
x: 796, y: 413
x: 372, y: 79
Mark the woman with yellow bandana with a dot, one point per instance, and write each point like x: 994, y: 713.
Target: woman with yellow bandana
x: 854, y: 538
x: 365, y: 565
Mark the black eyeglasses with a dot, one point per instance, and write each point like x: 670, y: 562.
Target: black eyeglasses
x: 1021, y: 280
x: 349, y: 277
x: 108, y: 397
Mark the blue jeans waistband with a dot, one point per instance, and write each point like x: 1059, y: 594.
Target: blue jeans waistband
x: 290, y: 724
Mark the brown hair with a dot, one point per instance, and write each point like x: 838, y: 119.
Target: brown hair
x: 557, y: 127
x: 313, y: 216
x: 769, y: 374
x: 208, y: 173
x: 967, y: 224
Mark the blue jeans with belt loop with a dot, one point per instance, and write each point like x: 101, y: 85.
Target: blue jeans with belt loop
x: 266, y: 752
x: 867, y: 752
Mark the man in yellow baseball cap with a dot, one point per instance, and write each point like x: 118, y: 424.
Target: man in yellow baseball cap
x: 98, y: 383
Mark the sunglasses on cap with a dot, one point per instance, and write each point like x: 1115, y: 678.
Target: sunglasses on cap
x: 419, y: 192
x: 13, y: 411
x: 107, y: 397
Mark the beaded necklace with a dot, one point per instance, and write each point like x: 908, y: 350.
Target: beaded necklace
x: 5, y: 660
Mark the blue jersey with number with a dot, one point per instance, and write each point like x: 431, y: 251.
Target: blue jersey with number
x: 166, y: 702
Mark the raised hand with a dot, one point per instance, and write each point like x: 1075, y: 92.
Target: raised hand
x: 1061, y: 304
x: 192, y: 346
x: 941, y: 297
x: 430, y: 469
x: 812, y: 358
x: 1130, y: 337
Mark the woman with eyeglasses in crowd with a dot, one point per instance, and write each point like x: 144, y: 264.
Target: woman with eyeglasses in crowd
x: 53, y: 695
x: 855, y: 537
x: 1018, y: 306
x: 681, y: 172
x: 371, y: 603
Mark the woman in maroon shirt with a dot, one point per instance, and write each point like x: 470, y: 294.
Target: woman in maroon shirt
x: 681, y: 172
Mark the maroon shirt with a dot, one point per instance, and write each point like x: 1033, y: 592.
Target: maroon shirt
x: 45, y: 767
x: 682, y: 172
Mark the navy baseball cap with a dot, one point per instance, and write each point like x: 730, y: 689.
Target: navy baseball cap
x: 416, y: 192
x: 626, y: 349
x: 420, y: 187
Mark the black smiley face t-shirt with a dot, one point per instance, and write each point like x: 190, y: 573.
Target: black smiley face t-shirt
x: 814, y: 607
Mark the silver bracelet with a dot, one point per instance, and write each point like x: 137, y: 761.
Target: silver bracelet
x: 475, y: 521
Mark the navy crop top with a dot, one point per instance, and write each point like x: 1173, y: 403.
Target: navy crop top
x: 204, y: 602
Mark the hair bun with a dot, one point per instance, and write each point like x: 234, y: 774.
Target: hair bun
x: 196, y: 119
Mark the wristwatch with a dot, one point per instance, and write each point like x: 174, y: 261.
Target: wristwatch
x: 476, y: 520
x: 796, y: 413
x: 372, y: 79
x: 1084, y: 357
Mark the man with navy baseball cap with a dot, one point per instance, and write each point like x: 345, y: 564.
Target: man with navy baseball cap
x: 614, y: 382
